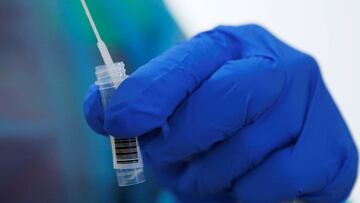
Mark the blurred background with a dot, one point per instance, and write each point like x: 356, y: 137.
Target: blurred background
x: 47, y: 58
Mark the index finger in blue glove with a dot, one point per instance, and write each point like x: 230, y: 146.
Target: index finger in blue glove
x: 151, y: 94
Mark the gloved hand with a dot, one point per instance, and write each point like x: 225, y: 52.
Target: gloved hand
x: 234, y: 114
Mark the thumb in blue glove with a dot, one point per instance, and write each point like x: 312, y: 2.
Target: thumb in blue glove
x: 232, y: 115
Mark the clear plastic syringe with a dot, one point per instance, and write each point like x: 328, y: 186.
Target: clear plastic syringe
x: 126, y: 153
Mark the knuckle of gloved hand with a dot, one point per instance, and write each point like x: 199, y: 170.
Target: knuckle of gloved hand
x: 302, y: 69
x: 325, y: 173
x: 90, y: 97
x: 95, y: 122
x: 343, y: 171
x: 92, y: 107
x: 256, y: 28
x: 87, y: 109
x: 235, y: 33
x: 310, y: 64
x: 302, y: 63
x: 258, y: 32
x: 112, y: 124
x: 120, y: 119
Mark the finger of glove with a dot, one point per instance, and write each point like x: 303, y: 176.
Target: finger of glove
x: 235, y: 95
x: 279, y: 179
x: 320, y: 167
x: 271, y: 182
x: 251, y: 145
x: 93, y: 109
x: 235, y: 156
x: 150, y: 95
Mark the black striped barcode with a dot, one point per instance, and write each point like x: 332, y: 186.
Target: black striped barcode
x: 126, y: 151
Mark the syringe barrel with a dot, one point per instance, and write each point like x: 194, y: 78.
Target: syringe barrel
x: 127, y: 160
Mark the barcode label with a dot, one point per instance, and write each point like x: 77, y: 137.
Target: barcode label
x: 126, y: 151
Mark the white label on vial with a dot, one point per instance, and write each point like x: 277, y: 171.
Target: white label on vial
x: 126, y: 153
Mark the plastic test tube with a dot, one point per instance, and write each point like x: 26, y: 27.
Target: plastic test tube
x: 126, y: 153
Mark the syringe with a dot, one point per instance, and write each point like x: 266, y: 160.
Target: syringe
x: 127, y: 160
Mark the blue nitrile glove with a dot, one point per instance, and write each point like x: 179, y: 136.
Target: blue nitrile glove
x: 231, y: 115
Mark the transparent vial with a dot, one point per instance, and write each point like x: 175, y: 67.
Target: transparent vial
x: 127, y: 160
